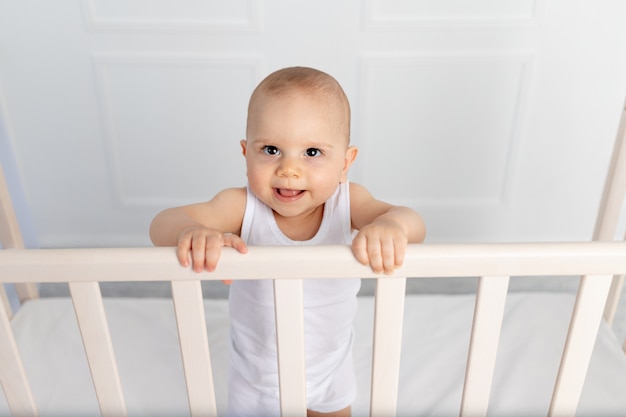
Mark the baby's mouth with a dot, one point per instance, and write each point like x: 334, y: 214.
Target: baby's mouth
x: 287, y: 193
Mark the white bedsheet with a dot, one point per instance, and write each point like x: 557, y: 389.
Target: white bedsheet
x: 435, y: 346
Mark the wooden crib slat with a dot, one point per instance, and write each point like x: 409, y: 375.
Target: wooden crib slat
x: 194, y: 346
x: 610, y: 310
x: 581, y: 338
x: 289, y: 305
x: 481, y: 361
x: 387, y: 345
x: 614, y: 188
x: 610, y: 207
x: 94, y: 330
x: 12, y: 376
x: 11, y: 237
x: 5, y: 304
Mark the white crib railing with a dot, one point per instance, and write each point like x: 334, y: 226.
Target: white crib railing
x: 84, y: 268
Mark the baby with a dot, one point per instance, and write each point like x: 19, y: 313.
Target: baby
x: 298, y: 154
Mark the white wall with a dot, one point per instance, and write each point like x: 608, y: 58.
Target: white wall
x: 495, y: 120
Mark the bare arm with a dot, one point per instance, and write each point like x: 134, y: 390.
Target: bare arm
x: 202, y: 229
x: 384, y: 230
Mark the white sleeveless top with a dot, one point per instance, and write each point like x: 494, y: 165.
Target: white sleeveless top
x: 329, y: 304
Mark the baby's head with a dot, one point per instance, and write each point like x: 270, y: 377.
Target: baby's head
x: 303, y: 81
x: 297, y: 140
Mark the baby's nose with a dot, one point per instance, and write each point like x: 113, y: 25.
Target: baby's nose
x: 289, y: 167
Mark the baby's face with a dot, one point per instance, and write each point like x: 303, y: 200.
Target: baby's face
x: 296, y: 153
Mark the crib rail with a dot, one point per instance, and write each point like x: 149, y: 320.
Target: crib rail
x: 423, y: 260
x: 494, y: 263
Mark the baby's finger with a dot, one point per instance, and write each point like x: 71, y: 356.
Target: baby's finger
x: 400, y: 251
x: 375, y: 254
x: 235, y: 242
x: 198, y: 254
x: 359, y: 249
x: 213, y: 249
x: 388, y: 256
x: 182, y: 252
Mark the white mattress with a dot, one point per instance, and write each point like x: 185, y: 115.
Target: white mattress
x: 435, y: 345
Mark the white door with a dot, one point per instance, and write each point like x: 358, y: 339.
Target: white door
x: 494, y: 119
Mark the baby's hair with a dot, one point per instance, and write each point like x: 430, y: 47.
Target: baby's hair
x: 304, y: 80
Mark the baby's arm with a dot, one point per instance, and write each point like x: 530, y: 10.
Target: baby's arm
x: 384, y: 230
x: 200, y: 230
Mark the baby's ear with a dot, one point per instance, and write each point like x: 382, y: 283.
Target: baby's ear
x: 351, y: 154
x: 243, y: 144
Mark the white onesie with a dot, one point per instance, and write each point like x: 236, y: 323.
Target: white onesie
x: 329, y: 309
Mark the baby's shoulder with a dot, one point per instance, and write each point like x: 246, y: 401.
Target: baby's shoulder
x: 234, y: 192
x: 358, y: 193
x: 233, y: 197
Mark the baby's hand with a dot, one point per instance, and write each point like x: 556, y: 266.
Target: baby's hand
x: 382, y: 245
x: 205, y: 246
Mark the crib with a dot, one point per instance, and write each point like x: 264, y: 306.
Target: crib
x: 487, y: 353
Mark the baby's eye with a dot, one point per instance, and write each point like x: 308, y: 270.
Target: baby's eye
x: 270, y: 150
x: 313, y: 152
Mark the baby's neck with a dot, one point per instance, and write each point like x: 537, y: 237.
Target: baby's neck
x: 303, y: 227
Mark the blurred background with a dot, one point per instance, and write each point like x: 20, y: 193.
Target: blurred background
x: 495, y: 120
